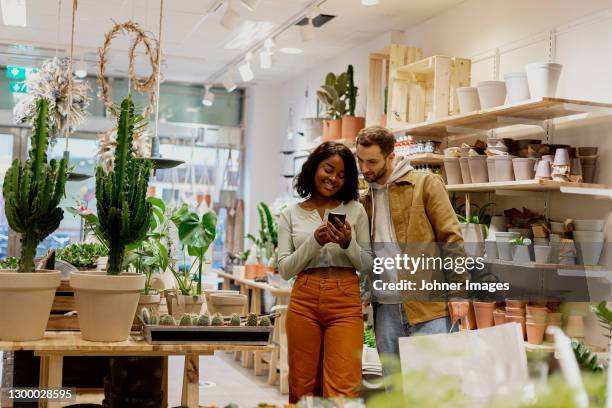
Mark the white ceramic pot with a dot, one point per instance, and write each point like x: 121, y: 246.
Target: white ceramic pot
x: 473, y: 239
x: 465, y: 170
x: 498, y: 224
x: 589, y: 225
x: 561, y: 157
x: 491, y: 93
x: 525, y: 232
x: 491, y: 169
x: 25, y: 303
x: 452, y: 169
x: 238, y: 271
x: 543, y: 78
x: 517, y: 87
x: 524, y: 168
x: 195, y: 304
x: 106, y: 304
x: 150, y: 301
x: 521, y: 254
x: 491, y: 249
x: 370, y: 355
x: 504, y: 247
x: 543, y: 170
x: 503, y: 168
x: 226, y: 303
x: 478, y: 169
x: 468, y: 99
x: 542, y: 253
x: 589, y: 245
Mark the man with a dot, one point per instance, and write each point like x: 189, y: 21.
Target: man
x: 409, y: 212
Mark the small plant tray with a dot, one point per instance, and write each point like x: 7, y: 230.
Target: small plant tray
x: 239, y: 335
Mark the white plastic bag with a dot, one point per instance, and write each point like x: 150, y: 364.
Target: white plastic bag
x: 489, y: 361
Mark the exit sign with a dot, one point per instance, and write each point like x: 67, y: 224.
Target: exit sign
x: 18, y: 87
x: 19, y: 73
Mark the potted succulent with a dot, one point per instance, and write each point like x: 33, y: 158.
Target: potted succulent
x: 351, y: 124
x: 106, y: 301
x: 82, y: 255
x: 266, y: 245
x: 32, y: 193
x: 196, y: 234
x: 520, y: 252
x: 333, y: 95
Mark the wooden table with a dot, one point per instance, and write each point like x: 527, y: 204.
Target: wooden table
x: 246, y: 285
x: 56, y: 345
x: 252, y: 290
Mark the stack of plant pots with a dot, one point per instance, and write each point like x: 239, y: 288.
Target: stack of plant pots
x: 536, y: 323
x: 589, y: 238
x: 588, y: 161
x: 515, y: 313
x: 484, y: 314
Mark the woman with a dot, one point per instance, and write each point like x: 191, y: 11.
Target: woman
x: 324, y: 320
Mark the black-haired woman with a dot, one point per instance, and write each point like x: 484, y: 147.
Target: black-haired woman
x: 324, y: 320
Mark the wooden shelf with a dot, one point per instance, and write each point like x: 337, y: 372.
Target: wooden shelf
x: 523, y: 185
x: 535, y: 265
x: 541, y: 348
x: 430, y: 158
x: 526, y: 113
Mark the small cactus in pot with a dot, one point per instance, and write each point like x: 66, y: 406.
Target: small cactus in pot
x: 251, y: 319
x: 204, y: 320
x: 235, y: 320
x: 217, y: 320
x: 265, y: 321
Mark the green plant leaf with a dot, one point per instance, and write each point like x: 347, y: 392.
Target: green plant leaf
x: 196, y: 233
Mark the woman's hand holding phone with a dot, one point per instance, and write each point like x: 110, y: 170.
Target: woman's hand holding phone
x: 321, y: 235
x: 340, y: 232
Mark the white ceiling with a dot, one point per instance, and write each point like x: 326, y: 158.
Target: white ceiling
x: 193, y: 44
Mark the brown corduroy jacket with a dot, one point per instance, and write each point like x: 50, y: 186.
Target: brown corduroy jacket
x: 422, y: 214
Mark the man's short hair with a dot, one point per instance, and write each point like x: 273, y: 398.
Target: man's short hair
x: 379, y: 136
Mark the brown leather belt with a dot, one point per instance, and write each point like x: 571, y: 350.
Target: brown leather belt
x: 331, y: 272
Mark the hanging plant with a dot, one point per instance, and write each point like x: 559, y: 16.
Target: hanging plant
x: 51, y: 83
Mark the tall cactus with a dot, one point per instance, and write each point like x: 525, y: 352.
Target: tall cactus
x: 123, y: 211
x: 351, y: 91
x: 32, y: 192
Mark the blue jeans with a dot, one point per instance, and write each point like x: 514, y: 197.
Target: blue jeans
x: 391, y: 323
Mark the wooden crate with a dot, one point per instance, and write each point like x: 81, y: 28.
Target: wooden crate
x: 381, y: 63
x: 238, y: 335
x: 63, y: 303
x: 426, y: 89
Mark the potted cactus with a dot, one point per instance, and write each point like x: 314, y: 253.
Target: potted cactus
x: 351, y: 124
x: 106, y: 302
x: 333, y: 95
x: 32, y: 193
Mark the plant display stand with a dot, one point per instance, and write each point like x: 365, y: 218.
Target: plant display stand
x: 426, y: 89
x: 381, y: 65
x: 56, y: 345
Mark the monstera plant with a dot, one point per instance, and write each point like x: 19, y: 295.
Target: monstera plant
x: 333, y: 95
x: 32, y: 192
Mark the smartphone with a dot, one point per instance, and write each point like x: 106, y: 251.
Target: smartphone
x: 336, y: 216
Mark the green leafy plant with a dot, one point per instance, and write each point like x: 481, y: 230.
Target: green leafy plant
x: 267, y: 243
x: 124, y: 214
x: 604, y: 315
x: 369, y: 339
x: 32, y: 192
x: 351, y: 91
x: 196, y: 234
x: 481, y: 216
x: 333, y: 95
x: 585, y: 357
x: 521, y: 241
x: 82, y: 255
x: 9, y: 263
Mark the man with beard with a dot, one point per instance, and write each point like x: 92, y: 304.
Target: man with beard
x: 408, y: 211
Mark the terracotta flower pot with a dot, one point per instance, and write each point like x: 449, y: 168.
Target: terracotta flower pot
x: 535, y: 332
x: 499, y: 317
x: 250, y: 271
x: 484, y: 314
x: 516, y: 303
x: 575, y: 326
x: 335, y: 129
x: 517, y: 319
x: 515, y: 311
x: 106, y: 304
x: 25, y: 303
x: 351, y: 125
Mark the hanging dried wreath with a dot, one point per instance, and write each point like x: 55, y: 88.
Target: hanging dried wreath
x: 51, y: 83
x: 141, y: 140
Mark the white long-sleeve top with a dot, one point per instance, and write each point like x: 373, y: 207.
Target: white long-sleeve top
x: 298, y: 249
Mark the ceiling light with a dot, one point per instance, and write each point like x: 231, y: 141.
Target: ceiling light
x: 307, y: 31
x: 265, y: 59
x: 291, y: 50
x: 14, y: 12
x: 209, y: 96
x: 80, y: 69
x: 250, y: 33
x: 228, y: 82
x: 370, y: 2
x: 245, y: 71
x: 250, y: 4
x: 231, y: 19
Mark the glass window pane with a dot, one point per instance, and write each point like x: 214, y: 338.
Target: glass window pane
x: 6, y: 158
